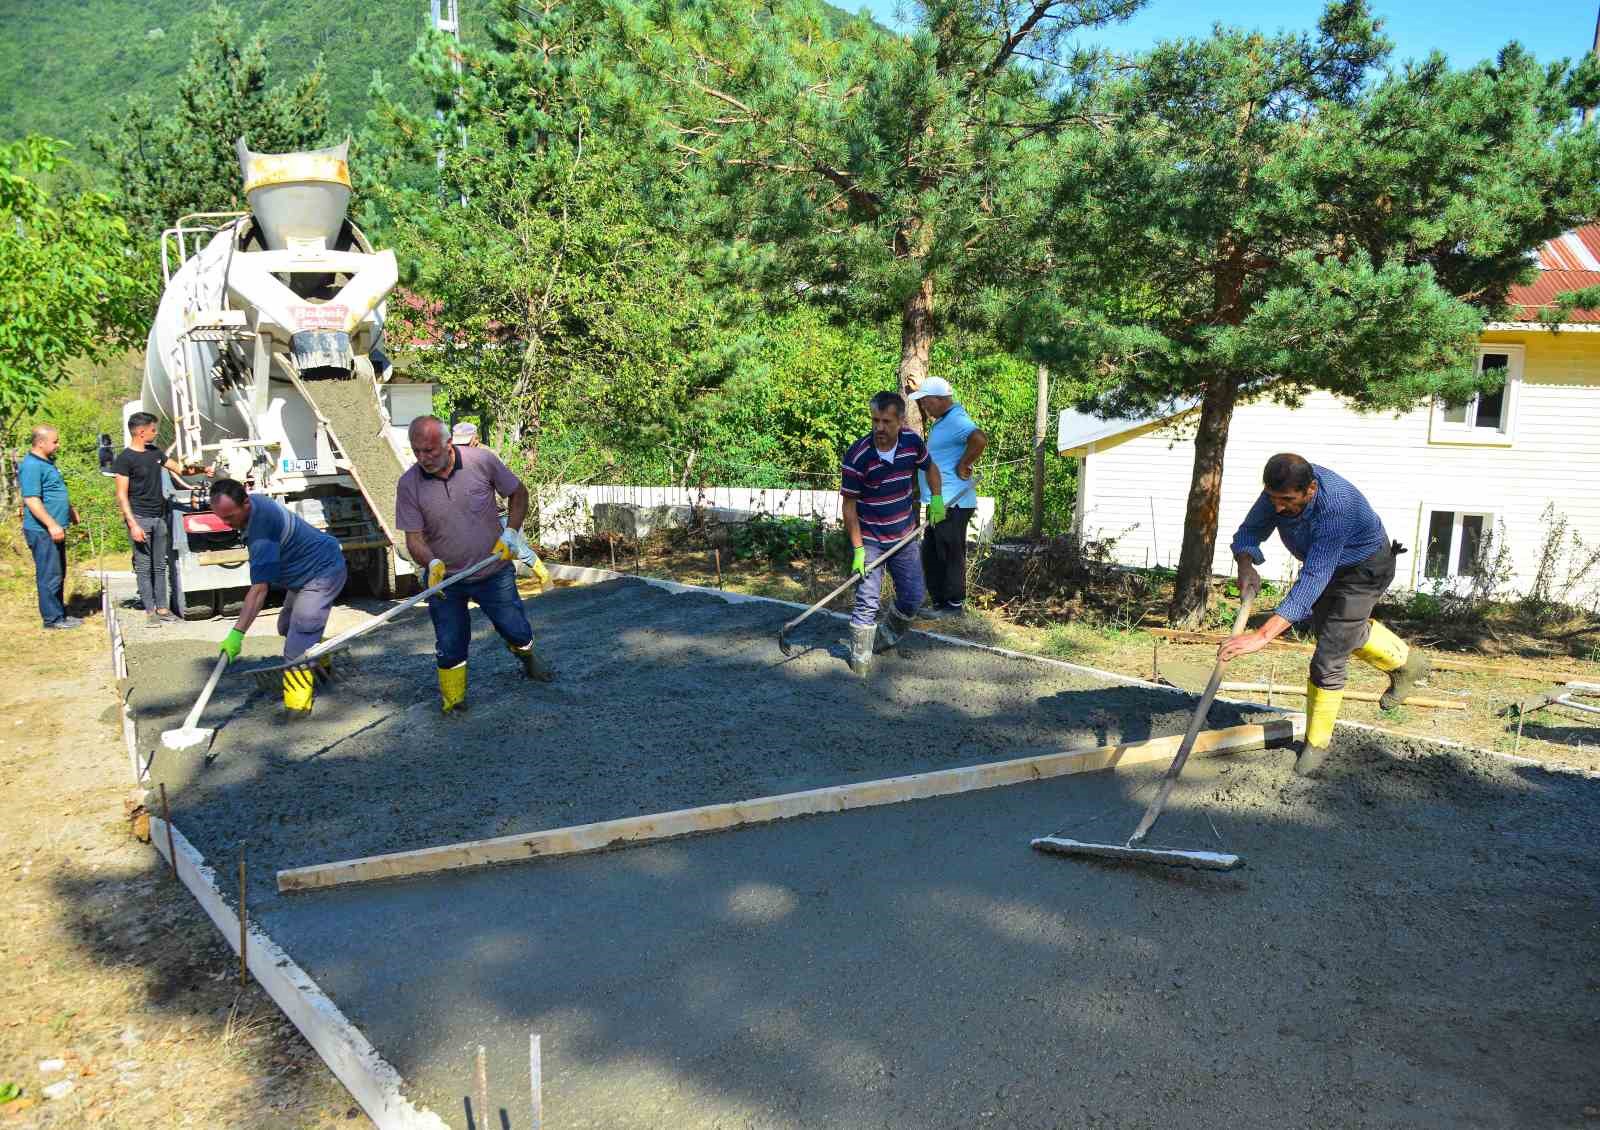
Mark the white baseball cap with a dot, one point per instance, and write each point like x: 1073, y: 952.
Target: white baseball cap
x: 933, y: 386
x: 463, y: 432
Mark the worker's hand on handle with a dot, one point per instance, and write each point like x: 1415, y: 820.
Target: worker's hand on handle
x: 935, y: 509
x: 858, y: 562
x: 435, y: 573
x: 1247, y: 644
x: 231, y: 643
x: 511, y: 545
x: 1249, y: 579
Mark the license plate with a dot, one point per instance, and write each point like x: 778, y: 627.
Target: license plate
x: 299, y: 466
x: 326, y: 317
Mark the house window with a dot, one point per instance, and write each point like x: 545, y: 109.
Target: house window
x: 1488, y: 416
x: 1455, y: 543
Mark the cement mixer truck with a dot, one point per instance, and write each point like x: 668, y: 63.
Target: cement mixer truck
x: 267, y: 360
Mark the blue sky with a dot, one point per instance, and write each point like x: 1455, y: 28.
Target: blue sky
x: 1465, y: 30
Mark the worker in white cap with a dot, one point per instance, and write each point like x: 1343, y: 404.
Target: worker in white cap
x: 465, y: 434
x: 955, y: 443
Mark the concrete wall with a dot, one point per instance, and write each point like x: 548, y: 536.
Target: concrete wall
x: 571, y: 509
x: 1407, y: 465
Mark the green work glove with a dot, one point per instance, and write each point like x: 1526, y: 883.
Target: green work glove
x: 231, y: 643
x: 858, y: 561
x: 936, y: 510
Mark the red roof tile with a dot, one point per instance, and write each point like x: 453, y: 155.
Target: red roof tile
x: 1570, y: 262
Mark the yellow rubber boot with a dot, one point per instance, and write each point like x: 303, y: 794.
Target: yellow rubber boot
x: 299, y: 686
x: 1383, y: 649
x: 1322, y: 707
x: 453, y: 688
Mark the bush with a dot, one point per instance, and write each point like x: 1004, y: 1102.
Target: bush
x: 780, y: 540
x: 1566, y: 563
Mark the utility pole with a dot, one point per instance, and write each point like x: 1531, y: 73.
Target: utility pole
x: 1041, y: 425
x: 443, y: 15
x: 1588, y: 111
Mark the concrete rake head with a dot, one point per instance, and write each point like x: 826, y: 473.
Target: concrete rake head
x: 1171, y: 857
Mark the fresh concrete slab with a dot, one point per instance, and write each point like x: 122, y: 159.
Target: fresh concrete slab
x: 1413, y: 942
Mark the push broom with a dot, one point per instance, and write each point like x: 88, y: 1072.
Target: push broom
x: 1134, y: 849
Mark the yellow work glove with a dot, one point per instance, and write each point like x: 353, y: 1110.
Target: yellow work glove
x: 435, y: 573
x: 540, y: 573
x: 231, y: 644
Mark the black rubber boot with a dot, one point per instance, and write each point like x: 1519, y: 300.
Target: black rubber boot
x: 532, y: 666
x: 1404, y: 679
x: 893, y: 628
x: 1309, y: 762
x: 861, y: 636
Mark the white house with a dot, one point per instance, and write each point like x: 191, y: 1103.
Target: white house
x: 1438, y: 476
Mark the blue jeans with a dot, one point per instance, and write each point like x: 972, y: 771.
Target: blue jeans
x: 49, y: 573
x: 906, y: 569
x: 497, y: 595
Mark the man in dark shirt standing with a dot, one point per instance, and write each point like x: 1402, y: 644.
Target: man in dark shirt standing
x: 142, y: 497
x: 1347, y: 565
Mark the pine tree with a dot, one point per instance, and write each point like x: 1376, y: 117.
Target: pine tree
x: 1260, y: 216
x: 884, y: 175
x: 165, y: 162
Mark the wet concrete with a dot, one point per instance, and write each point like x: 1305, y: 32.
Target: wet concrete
x: 662, y: 701
x: 1414, y: 940
x: 351, y: 409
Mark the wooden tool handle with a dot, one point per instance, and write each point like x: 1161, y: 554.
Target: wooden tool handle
x: 854, y: 577
x: 1164, y: 790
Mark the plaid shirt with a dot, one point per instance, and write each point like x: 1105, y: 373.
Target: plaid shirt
x: 883, y: 490
x: 1339, y: 528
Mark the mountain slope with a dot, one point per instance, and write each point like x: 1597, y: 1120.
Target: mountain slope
x: 66, y: 64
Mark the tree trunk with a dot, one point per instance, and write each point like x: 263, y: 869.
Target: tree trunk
x: 916, y: 343
x: 1191, y: 594
x: 1041, y: 427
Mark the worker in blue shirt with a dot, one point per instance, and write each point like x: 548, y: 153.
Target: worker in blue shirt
x: 46, y: 514
x: 955, y: 444
x: 1347, y: 565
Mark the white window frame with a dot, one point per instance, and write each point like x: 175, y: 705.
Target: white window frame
x: 1451, y: 580
x: 1443, y: 431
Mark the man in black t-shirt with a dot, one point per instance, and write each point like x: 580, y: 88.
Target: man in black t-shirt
x: 142, y: 497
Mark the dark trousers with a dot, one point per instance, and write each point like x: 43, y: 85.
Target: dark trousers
x: 150, y: 561
x: 1342, y: 615
x: 49, y: 573
x: 944, y: 557
x: 497, y: 595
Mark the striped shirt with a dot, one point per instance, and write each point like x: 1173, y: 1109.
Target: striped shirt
x: 884, y: 490
x: 1339, y: 528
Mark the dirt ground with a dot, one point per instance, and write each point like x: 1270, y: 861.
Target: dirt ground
x: 118, y: 991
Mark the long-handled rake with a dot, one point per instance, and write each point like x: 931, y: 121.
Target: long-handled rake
x: 316, y: 661
x: 783, y: 632
x: 1134, y: 848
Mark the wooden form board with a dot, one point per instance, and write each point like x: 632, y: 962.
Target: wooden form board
x: 371, y: 1080
x: 627, y: 831
x: 1439, y: 661
x: 349, y: 1054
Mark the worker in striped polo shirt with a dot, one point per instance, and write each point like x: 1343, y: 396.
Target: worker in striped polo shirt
x: 878, y: 480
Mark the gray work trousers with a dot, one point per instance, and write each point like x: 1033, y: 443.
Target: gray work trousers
x: 1342, y: 615
x: 150, y: 561
x: 305, y: 612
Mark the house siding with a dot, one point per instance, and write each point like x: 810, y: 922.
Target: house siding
x: 1553, y: 457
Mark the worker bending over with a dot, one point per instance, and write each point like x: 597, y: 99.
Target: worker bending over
x: 878, y: 480
x: 286, y: 551
x: 445, y: 503
x: 1347, y: 565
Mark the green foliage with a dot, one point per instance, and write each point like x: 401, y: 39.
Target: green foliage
x: 1257, y: 215
x: 81, y: 408
x: 66, y: 290
x: 69, y: 67
x: 165, y: 162
x: 886, y: 176
x: 781, y: 540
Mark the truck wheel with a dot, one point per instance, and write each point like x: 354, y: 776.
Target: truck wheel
x: 202, y: 605
x: 377, y: 573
